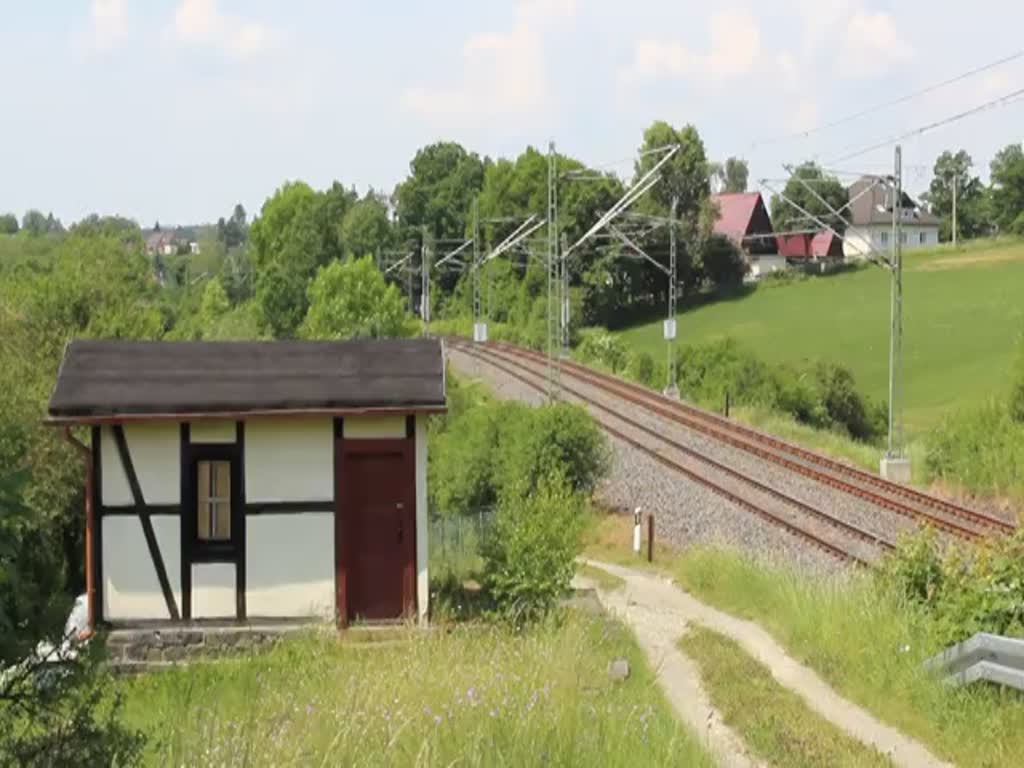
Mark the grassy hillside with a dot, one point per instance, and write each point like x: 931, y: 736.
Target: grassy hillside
x: 963, y: 311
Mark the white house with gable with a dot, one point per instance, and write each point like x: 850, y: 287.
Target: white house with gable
x: 870, y: 214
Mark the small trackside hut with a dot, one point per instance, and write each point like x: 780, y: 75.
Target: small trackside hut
x: 242, y: 481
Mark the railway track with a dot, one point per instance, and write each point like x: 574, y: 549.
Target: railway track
x: 907, y: 502
x: 828, y: 533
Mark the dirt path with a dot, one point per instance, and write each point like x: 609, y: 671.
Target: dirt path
x: 657, y: 633
x: 658, y: 613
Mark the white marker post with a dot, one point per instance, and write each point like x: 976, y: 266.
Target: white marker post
x: 636, y: 531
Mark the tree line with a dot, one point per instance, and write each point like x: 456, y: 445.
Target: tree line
x: 312, y: 264
x: 981, y: 210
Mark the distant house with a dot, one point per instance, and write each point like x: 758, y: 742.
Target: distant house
x: 810, y: 246
x: 744, y: 219
x: 871, y: 217
x: 161, y: 242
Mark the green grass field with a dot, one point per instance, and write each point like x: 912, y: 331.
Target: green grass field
x: 861, y: 638
x: 869, y: 645
x: 464, y: 695
x: 771, y: 719
x: 964, y: 310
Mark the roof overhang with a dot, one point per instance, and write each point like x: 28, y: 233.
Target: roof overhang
x: 132, y: 418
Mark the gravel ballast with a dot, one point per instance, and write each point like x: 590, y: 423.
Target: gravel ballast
x: 686, y: 512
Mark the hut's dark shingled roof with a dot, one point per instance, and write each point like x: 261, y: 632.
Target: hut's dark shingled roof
x: 99, y: 378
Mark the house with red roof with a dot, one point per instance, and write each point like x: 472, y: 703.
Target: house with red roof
x: 743, y: 218
x: 810, y: 246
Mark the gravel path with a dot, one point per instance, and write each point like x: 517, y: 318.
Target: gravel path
x: 657, y: 634
x: 659, y: 612
x: 686, y: 512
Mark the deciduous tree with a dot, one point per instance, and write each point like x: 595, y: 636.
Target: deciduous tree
x: 443, y: 181
x: 955, y: 169
x: 234, y: 230
x: 297, y: 231
x: 351, y: 299
x: 34, y: 223
x: 785, y: 216
x: 215, y: 303
x: 281, y: 298
x: 1008, y: 189
x: 685, y: 176
x: 86, y: 286
x: 366, y: 228
x: 730, y: 176
x: 722, y: 263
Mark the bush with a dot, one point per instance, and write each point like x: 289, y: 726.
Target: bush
x: 823, y: 396
x: 723, y: 264
x: 464, y: 460
x: 980, y: 449
x: 708, y: 371
x: 966, y: 591
x: 845, y: 406
x: 643, y: 370
x: 65, y: 717
x: 915, y: 568
x: 553, y: 441
x: 603, y: 348
x: 529, y: 556
x: 486, y: 449
x: 538, y: 465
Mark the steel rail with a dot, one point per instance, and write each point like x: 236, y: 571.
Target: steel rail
x: 753, y: 441
x: 849, y: 528
x: 496, y: 361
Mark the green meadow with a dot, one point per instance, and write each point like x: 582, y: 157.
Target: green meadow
x: 963, y: 311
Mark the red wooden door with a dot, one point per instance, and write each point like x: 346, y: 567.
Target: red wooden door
x: 375, y: 529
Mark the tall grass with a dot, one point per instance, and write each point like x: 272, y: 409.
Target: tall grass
x: 832, y: 442
x: 773, y: 720
x: 870, y: 645
x: 981, y: 450
x: 470, y: 696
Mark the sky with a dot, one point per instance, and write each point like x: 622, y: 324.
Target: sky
x: 174, y: 110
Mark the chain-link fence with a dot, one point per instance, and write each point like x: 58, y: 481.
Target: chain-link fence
x: 456, y: 541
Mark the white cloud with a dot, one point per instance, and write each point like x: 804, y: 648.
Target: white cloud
x: 503, y: 72
x: 733, y: 52
x: 820, y: 22
x: 735, y: 44
x: 653, y: 59
x: 871, y: 45
x: 788, y: 69
x: 805, y: 117
x: 109, y: 19
x: 201, y: 23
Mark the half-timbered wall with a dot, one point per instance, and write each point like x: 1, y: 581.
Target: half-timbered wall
x: 129, y: 582
x: 154, y: 451
x: 131, y: 589
x: 287, y: 475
